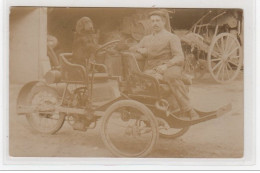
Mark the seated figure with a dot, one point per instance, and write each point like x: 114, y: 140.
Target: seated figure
x: 164, y: 60
x: 85, y: 41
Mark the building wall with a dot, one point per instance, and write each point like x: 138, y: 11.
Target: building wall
x: 27, y: 43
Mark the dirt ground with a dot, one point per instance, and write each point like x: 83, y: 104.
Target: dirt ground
x: 217, y: 138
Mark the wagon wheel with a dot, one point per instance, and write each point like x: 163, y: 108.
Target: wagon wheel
x: 225, y: 57
x: 129, y: 129
x: 45, y: 119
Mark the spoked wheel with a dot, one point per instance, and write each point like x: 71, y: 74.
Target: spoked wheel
x: 225, y: 58
x: 167, y: 130
x: 129, y: 129
x: 45, y: 118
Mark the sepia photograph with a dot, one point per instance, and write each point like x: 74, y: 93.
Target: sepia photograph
x: 124, y: 82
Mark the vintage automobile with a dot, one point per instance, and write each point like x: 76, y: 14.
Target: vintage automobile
x: 132, y: 121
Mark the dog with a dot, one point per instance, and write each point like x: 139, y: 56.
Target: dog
x: 85, y: 42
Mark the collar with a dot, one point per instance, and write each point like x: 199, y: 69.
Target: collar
x: 158, y: 33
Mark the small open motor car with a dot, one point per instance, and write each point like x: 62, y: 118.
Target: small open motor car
x: 131, y: 122
x: 132, y: 106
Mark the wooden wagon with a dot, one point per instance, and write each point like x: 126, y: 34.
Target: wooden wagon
x: 214, y: 44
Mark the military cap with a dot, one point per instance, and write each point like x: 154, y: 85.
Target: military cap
x: 161, y: 13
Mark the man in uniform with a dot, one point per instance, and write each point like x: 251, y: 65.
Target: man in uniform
x: 164, y: 59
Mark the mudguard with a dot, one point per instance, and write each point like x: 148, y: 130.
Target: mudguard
x: 24, y: 93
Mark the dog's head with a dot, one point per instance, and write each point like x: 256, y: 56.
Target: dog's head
x: 84, y: 25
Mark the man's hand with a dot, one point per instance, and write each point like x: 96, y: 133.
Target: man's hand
x: 161, y: 68
x: 177, y: 60
x: 154, y: 73
x: 142, y: 51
